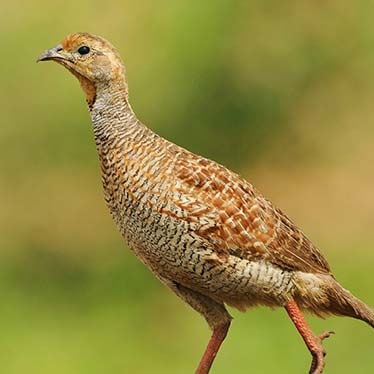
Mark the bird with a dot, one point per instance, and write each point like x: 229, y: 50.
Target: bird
x: 204, y: 231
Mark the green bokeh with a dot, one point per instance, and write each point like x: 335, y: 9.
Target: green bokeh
x: 281, y: 92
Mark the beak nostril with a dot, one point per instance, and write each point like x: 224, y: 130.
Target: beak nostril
x: 59, y: 48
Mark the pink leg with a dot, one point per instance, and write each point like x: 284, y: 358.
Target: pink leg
x: 218, y: 336
x: 314, y: 343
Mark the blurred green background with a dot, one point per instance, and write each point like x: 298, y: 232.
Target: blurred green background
x: 281, y: 92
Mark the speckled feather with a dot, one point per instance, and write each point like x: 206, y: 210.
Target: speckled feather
x: 195, y: 222
x: 203, y: 230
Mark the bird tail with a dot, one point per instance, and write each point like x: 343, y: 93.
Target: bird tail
x: 322, y: 295
x: 342, y: 302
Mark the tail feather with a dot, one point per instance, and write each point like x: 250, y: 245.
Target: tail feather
x: 322, y: 295
x: 342, y: 302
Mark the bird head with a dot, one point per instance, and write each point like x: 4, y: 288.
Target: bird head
x: 92, y: 59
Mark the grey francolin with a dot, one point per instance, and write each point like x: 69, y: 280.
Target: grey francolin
x: 205, y: 232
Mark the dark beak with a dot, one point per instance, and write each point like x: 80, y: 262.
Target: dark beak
x: 52, y: 54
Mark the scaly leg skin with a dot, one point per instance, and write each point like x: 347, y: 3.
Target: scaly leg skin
x: 218, y: 336
x: 314, y: 343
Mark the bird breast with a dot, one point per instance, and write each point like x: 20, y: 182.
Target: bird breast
x: 140, y: 191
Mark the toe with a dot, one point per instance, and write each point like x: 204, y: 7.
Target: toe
x: 318, y: 363
x: 326, y: 334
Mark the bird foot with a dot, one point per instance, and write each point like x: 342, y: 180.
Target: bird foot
x: 318, y: 352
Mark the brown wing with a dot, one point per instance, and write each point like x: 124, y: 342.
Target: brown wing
x: 237, y: 219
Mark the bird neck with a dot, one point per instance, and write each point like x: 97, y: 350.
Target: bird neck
x: 111, y: 114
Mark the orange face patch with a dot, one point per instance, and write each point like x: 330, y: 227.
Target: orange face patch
x: 73, y: 41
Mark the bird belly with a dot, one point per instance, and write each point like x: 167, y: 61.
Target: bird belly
x: 173, y: 250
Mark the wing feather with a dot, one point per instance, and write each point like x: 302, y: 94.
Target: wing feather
x: 237, y: 220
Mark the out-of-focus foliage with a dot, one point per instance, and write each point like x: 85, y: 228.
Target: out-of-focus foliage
x: 280, y: 91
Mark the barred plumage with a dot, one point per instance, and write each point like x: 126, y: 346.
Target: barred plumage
x: 204, y: 231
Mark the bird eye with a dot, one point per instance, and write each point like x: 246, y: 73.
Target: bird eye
x: 83, y: 50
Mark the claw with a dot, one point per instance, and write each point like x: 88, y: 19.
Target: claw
x: 319, y: 353
x: 326, y: 334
